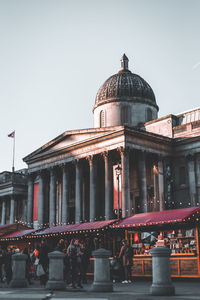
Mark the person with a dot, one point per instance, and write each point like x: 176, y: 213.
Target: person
x: 28, y: 265
x: 85, y: 259
x: 35, y: 261
x: 75, y: 253
x: 126, y: 256
x: 8, y: 265
x: 43, y: 261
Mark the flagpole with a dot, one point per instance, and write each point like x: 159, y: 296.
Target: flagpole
x: 13, y: 165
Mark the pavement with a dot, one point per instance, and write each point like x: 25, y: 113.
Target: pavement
x: 138, y: 290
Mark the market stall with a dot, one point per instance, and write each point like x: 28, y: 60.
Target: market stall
x: 180, y: 230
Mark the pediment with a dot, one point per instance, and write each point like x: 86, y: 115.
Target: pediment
x: 68, y: 139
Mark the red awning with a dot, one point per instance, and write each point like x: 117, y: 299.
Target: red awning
x: 76, y: 228
x: 158, y: 218
x: 9, y: 228
x: 17, y: 234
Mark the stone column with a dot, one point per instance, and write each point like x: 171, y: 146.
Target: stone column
x: 52, y: 198
x: 41, y: 201
x: 56, y: 271
x: 155, y: 190
x: 19, y: 271
x: 3, y: 212
x: 102, y: 281
x: 108, y: 184
x: 161, y: 285
x: 191, y: 179
x: 161, y: 185
x: 30, y: 200
x: 78, y: 202
x: 142, y: 182
x: 12, y: 210
x: 126, y: 211
x: 65, y: 196
x: 92, y: 189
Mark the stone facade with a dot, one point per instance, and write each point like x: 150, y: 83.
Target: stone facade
x: 72, y: 178
x: 13, y: 196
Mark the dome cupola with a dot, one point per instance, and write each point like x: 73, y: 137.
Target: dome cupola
x: 124, y: 98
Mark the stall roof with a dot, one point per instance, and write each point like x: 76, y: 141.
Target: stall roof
x: 17, y: 234
x: 158, y: 218
x: 9, y: 228
x: 75, y: 228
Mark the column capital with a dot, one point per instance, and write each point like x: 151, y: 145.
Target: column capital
x: 90, y: 159
x: 123, y: 150
x: 52, y: 171
x: 190, y: 157
x: 105, y: 155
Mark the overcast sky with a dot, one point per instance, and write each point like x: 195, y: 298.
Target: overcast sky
x: 55, y: 54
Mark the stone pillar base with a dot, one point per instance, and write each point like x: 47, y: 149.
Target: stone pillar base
x: 162, y: 290
x: 55, y: 285
x: 102, y: 287
x: 15, y: 283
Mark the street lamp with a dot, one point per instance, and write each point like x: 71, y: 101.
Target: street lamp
x: 118, y: 173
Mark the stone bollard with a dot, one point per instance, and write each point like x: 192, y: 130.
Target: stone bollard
x: 19, y: 270
x: 161, y: 285
x: 56, y: 271
x: 102, y: 281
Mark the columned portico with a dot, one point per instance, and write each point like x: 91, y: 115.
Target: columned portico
x: 3, y: 212
x: 126, y: 211
x: 192, y: 179
x: 142, y: 182
x: 52, y: 199
x: 92, y: 189
x: 12, y: 209
x: 78, y: 202
x: 41, y: 201
x: 65, y: 195
x: 161, y: 185
x: 30, y: 201
x: 108, y: 183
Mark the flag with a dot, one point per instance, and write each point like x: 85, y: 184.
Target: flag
x: 12, y: 134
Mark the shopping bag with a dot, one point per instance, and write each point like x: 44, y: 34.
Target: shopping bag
x: 40, y: 270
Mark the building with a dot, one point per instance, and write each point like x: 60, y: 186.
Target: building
x: 73, y: 177
x: 13, y: 196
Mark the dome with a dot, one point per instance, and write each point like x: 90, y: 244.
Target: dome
x: 125, y: 86
x: 125, y: 98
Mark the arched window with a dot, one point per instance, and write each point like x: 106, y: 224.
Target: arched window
x: 149, y: 116
x: 102, y: 118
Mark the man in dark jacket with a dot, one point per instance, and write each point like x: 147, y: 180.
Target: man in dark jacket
x: 44, y: 261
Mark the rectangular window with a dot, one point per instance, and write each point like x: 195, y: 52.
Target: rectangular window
x: 182, y: 176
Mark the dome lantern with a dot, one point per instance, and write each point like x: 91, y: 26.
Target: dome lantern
x: 124, y: 62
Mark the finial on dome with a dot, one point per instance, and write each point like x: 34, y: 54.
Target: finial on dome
x: 124, y: 62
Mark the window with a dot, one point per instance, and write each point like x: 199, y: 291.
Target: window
x: 124, y: 115
x: 149, y: 115
x: 182, y: 176
x: 102, y: 118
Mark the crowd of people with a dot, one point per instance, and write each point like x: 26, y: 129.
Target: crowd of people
x: 76, y: 261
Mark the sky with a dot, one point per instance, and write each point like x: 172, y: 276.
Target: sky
x: 55, y: 55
